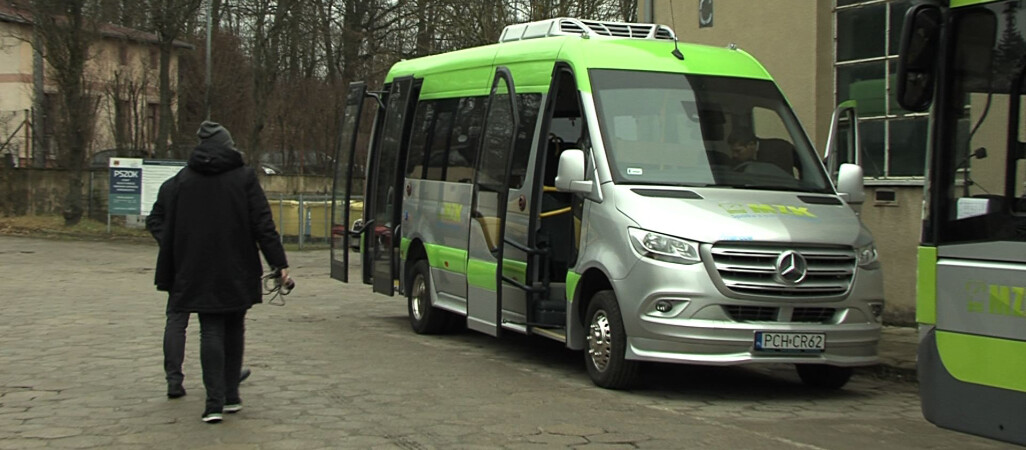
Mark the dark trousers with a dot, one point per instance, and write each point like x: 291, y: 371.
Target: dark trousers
x: 174, y: 346
x: 221, y: 344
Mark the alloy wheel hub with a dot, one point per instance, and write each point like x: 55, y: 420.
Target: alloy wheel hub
x: 600, y: 341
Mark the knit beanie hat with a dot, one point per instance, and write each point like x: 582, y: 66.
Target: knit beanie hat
x: 214, y: 133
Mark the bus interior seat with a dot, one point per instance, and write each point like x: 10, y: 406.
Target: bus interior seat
x: 780, y: 153
x: 490, y: 229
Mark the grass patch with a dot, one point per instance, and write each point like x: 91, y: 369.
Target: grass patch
x: 54, y: 227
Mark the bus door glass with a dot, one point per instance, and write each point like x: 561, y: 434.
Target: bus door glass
x: 979, y: 176
x: 488, y: 207
x: 384, y: 187
x: 342, y: 231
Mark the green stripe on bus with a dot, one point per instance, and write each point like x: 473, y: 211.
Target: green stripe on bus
x: 971, y: 359
x: 961, y: 3
x: 404, y: 247
x: 447, y: 258
x: 571, y: 285
x: 481, y: 274
x: 926, y: 286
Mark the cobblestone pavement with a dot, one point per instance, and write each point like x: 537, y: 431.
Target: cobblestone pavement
x: 338, y: 367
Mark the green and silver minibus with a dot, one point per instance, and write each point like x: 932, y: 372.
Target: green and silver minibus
x: 967, y: 59
x: 603, y: 185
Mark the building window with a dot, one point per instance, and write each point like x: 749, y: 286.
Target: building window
x: 152, y: 114
x: 867, y: 37
x: 123, y: 55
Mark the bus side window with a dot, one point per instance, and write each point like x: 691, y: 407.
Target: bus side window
x: 438, y: 141
x: 466, y: 133
x: 528, y: 106
x: 422, y: 119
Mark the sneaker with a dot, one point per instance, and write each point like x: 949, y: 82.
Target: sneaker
x: 233, y: 407
x: 214, y: 416
x: 175, y: 390
x: 244, y: 374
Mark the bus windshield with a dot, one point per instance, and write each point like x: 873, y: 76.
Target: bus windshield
x: 982, y: 171
x: 675, y: 129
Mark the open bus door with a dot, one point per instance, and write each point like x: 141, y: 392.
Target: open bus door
x: 341, y: 194
x: 488, y: 207
x: 843, y: 156
x: 384, y: 189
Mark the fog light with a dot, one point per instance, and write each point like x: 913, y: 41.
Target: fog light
x: 663, y: 306
x: 877, y: 310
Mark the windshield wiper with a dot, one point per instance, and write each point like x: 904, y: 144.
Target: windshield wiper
x: 777, y: 187
x: 644, y: 183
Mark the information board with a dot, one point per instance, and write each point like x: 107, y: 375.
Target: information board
x: 135, y: 182
x: 125, y: 186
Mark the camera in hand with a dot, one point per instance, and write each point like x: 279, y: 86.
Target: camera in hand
x: 285, y: 287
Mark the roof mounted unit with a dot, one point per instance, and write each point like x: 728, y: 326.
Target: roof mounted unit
x: 565, y: 26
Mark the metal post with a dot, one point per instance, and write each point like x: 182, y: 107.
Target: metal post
x: 210, y: 25
x: 301, y: 226
x: 38, y: 156
x: 89, y: 196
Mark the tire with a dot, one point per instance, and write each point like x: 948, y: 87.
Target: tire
x: 606, y: 347
x: 424, y: 318
x: 823, y: 376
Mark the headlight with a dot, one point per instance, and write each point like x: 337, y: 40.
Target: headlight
x: 866, y: 255
x: 663, y: 247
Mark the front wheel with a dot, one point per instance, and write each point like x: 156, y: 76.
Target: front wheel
x: 824, y: 376
x: 424, y: 318
x: 605, y: 354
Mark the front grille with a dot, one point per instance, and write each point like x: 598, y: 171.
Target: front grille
x: 751, y: 269
x: 745, y: 313
x: 813, y: 315
x: 751, y: 313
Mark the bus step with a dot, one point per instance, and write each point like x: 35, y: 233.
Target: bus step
x: 557, y: 334
x: 550, y: 313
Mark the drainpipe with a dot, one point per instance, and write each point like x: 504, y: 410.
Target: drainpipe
x: 649, y: 14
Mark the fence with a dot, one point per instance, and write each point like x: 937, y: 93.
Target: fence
x: 306, y: 219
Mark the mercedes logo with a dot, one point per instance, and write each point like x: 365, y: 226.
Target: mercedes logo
x: 791, y: 267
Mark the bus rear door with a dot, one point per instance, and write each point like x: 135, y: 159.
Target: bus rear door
x: 342, y: 230
x: 383, y: 202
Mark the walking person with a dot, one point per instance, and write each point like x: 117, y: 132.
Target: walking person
x: 174, y: 326
x: 212, y: 220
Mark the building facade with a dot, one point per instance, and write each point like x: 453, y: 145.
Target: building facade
x: 822, y: 53
x: 122, y: 73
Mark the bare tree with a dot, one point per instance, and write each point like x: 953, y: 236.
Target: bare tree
x: 125, y: 92
x: 67, y: 33
x: 169, y: 18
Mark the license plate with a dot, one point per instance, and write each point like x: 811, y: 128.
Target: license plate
x: 790, y: 342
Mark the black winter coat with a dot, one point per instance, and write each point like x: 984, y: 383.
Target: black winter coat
x: 210, y: 220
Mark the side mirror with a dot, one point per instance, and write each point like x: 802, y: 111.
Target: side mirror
x: 917, y: 61
x: 570, y: 175
x: 849, y: 183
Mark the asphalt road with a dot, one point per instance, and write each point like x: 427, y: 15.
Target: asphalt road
x: 339, y: 367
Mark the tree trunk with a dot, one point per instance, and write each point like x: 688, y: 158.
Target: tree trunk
x: 165, y: 118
